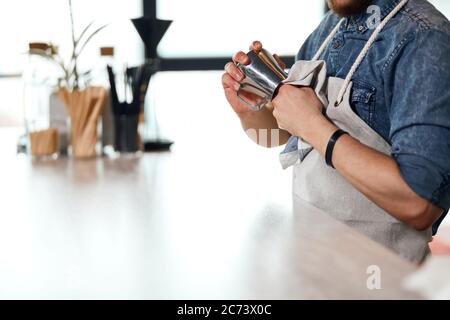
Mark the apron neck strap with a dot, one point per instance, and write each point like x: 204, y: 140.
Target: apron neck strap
x: 327, y: 40
x: 365, y: 50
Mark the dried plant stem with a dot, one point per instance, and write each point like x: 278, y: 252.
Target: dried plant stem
x: 71, y: 79
x: 74, y: 44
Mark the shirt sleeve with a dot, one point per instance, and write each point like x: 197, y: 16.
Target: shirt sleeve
x: 420, y: 115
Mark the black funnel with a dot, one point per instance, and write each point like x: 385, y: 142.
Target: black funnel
x: 151, y: 32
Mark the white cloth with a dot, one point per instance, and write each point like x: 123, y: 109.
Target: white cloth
x: 308, y: 74
x: 432, y: 280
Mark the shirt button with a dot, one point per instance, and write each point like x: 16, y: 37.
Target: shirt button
x: 361, y: 28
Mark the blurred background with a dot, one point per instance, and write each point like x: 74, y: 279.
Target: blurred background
x: 184, y: 102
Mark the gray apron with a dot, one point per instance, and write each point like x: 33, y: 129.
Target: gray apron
x: 323, y: 187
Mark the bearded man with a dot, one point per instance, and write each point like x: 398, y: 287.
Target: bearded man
x: 380, y: 148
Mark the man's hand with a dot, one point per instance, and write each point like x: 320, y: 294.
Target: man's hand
x: 298, y: 110
x: 232, y: 78
x: 260, y: 122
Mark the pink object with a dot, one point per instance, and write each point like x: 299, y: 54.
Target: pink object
x: 441, y: 243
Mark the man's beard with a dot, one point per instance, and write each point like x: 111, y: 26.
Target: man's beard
x: 347, y: 8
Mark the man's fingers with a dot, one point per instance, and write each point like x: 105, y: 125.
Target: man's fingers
x: 249, y: 97
x: 241, y: 58
x: 256, y: 46
x: 229, y: 83
x: 234, y: 71
x: 280, y: 62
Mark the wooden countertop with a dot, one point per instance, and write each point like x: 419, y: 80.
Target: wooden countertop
x: 152, y: 226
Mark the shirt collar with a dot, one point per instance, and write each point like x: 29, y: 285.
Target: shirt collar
x: 359, y: 22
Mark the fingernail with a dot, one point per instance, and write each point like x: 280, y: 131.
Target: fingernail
x: 238, y: 76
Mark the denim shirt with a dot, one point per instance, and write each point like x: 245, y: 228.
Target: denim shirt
x: 401, y: 89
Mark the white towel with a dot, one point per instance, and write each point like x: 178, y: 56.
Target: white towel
x: 308, y: 74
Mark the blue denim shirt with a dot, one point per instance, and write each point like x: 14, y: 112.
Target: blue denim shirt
x: 401, y: 89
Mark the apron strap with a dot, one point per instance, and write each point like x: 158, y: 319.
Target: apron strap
x: 365, y: 50
x: 327, y: 40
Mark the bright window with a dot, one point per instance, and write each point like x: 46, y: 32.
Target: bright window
x: 220, y: 28
x: 443, y: 6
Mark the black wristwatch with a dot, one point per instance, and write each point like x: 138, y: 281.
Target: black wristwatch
x: 330, y: 146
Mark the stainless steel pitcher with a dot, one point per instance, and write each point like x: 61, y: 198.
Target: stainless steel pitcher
x: 263, y: 76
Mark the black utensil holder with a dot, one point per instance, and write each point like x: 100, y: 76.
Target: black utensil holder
x: 126, y: 132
